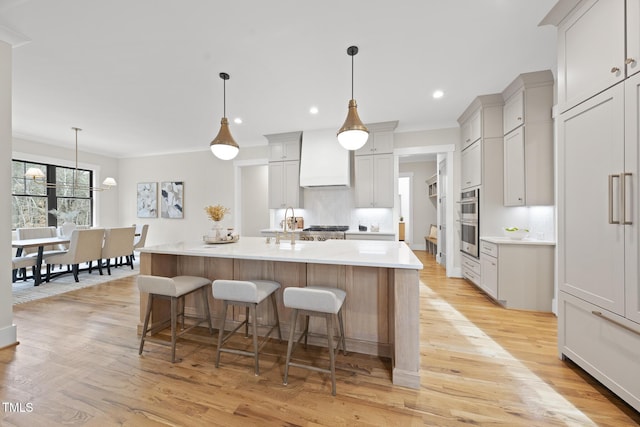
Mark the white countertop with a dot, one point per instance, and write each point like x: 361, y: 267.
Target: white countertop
x: 368, y: 253
x: 508, y: 241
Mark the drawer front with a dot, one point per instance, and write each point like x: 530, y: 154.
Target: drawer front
x: 489, y: 248
x: 471, y: 275
x: 605, y: 350
x: 471, y: 266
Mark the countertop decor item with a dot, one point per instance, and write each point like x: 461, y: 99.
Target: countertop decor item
x: 516, y: 233
x: 216, y: 213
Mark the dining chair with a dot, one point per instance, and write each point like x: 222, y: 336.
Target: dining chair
x: 84, y: 246
x: 118, y: 242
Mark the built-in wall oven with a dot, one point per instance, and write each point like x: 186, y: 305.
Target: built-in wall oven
x: 470, y: 222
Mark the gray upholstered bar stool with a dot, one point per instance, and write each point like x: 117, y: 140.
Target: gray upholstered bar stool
x: 248, y: 294
x: 320, y: 301
x: 173, y: 289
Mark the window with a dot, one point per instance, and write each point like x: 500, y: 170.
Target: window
x: 32, y: 200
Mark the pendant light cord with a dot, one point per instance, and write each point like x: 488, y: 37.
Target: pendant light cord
x: 352, y: 76
x: 224, y: 98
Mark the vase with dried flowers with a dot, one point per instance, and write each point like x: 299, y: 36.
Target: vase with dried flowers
x: 216, y: 214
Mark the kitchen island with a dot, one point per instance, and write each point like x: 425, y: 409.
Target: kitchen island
x: 381, y: 312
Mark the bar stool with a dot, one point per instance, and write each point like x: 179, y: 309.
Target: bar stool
x: 248, y: 294
x: 319, y: 301
x: 173, y: 289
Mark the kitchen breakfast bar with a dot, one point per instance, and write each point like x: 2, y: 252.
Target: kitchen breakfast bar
x: 381, y: 279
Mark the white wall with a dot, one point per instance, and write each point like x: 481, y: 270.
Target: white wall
x: 8, y: 331
x: 207, y: 181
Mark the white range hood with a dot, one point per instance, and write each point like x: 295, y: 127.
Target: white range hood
x: 323, y: 161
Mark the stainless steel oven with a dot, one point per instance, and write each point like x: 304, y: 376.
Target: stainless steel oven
x: 470, y: 222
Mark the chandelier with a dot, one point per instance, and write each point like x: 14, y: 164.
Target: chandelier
x: 38, y: 176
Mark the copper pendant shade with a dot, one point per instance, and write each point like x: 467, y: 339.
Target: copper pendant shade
x: 353, y: 134
x: 223, y: 145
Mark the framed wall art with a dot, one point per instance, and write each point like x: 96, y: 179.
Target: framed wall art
x: 172, y: 199
x: 147, y: 200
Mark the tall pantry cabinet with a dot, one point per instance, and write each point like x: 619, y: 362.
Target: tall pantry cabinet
x: 598, y: 158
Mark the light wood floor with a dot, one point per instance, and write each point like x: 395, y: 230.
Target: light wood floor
x: 78, y: 364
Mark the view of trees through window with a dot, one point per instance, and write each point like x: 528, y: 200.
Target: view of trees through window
x: 32, y: 200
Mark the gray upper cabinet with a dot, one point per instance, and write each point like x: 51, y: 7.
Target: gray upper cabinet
x: 284, y: 170
x: 380, y: 139
x: 528, y: 140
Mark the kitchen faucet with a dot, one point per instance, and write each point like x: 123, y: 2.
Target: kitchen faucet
x: 293, y: 221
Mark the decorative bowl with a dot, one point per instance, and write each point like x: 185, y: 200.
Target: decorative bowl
x: 515, y: 233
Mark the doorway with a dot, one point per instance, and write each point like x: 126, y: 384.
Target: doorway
x: 251, y: 205
x: 405, y: 185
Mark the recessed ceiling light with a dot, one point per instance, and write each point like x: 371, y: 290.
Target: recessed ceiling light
x: 313, y: 110
x: 438, y: 94
x: 237, y: 120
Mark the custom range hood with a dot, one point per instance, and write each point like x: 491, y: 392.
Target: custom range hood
x: 323, y: 162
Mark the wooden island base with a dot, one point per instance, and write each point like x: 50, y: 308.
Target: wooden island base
x: 381, y: 311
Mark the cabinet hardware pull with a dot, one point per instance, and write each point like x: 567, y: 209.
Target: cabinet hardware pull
x: 615, y: 322
x: 615, y: 70
x: 623, y: 182
x: 630, y: 61
x: 519, y: 119
x: 611, y: 178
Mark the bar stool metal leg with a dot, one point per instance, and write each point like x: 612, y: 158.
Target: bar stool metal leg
x: 294, y: 318
x: 332, y: 356
x: 225, y: 304
x: 146, y: 322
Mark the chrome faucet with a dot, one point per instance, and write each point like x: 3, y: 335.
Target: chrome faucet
x: 293, y: 221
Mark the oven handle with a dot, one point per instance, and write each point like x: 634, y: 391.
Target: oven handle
x: 468, y: 201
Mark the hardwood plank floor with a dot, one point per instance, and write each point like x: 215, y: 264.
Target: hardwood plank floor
x: 78, y: 364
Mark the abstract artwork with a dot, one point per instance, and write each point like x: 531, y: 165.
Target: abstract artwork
x: 171, y: 200
x: 147, y: 200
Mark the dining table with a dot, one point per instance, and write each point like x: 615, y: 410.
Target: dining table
x: 40, y: 243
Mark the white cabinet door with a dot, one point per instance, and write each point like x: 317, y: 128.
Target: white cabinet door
x: 284, y: 185
x: 364, y: 181
x: 632, y: 59
x: 292, y: 184
x: 380, y: 142
x: 513, y: 112
x: 383, y: 188
x: 632, y: 164
x: 591, y: 51
x: 374, y: 181
x: 284, y: 151
x: 591, y: 250
x: 489, y: 277
x: 276, y: 185
x: 514, y: 170
x: 471, y: 165
x: 472, y: 129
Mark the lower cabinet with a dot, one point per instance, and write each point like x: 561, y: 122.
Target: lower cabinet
x: 471, y: 269
x: 602, y: 343
x: 518, y: 274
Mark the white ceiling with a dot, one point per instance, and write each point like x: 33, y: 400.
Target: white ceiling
x: 141, y: 76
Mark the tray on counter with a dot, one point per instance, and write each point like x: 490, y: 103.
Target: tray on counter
x: 213, y: 241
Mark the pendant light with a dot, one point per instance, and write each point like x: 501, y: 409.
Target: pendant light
x: 37, y: 175
x: 353, y: 134
x: 223, y: 145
